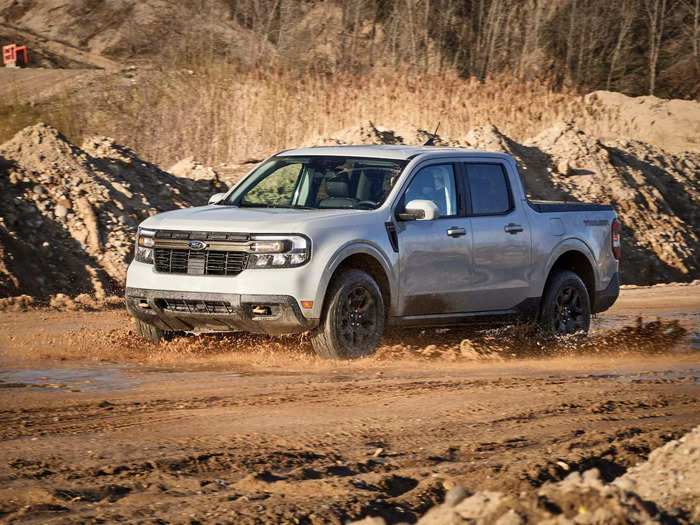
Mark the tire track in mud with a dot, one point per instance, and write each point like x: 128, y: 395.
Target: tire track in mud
x: 106, y: 415
x: 276, y: 481
x: 397, y: 459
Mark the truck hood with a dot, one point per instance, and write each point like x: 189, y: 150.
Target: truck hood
x: 247, y: 220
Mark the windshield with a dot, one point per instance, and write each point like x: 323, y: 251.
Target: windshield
x: 318, y: 183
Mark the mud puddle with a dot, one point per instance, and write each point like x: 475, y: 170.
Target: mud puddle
x: 681, y: 373
x: 91, y: 377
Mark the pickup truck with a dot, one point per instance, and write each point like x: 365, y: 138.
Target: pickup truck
x: 342, y: 241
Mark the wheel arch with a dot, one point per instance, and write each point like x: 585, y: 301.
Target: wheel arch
x: 577, y: 258
x: 367, y: 258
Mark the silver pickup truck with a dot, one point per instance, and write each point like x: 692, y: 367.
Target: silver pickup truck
x: 342, y: 241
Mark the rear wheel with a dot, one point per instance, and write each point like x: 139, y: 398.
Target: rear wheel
x: 352, y: 323
x: 566, y: 307
x: 152, y: 333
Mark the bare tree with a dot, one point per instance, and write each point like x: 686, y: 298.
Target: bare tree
x: 656, y: 11
x: 692, y: 8
x: 627, y: 17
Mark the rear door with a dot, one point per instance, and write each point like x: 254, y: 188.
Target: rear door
x: 500, y: 238
x: 434, y: 275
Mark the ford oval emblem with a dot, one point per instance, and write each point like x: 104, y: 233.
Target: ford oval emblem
x: 197, y: 245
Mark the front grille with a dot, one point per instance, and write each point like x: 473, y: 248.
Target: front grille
x: 193, y: 306
x: 199, y: 262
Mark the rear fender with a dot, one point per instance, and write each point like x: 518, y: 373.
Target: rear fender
x: 567, y: 245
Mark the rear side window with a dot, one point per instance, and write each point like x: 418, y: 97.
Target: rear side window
x: 488, y: 188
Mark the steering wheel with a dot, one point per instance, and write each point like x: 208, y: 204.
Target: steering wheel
x: 369, y: 204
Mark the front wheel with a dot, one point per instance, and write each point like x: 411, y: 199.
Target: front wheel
x: 352, y: 323
x: 566, y: 307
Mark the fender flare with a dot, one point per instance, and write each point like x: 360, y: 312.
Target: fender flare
x: 574, y: 244
x: 354, y: 248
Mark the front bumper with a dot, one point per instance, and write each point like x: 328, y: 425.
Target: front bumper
x: 217, y: 312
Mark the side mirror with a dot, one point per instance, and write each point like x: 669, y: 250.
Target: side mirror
x: 217, y: 198
x: 420, y: 210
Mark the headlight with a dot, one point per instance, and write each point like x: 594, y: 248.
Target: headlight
x: 279, y: 251
x: 145, y: 239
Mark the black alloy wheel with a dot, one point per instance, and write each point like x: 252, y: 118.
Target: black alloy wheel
x: 569, y: 314
x: 357, y: 321
x: 352, y: 322
x: 566, y: 306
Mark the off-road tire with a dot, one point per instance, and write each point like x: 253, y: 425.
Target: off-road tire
x: 150, y: 332
x: 352, y: 322
x: 566, y: 306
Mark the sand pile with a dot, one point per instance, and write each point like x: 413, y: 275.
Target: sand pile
x: 68, y: 214
x: 655, y: 193
x: 368, y: 133
x: 664, y: 489
x: 673, y: 125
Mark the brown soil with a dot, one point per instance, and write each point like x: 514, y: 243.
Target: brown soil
x: 68, y: 214
x: 255, y: 430
x: 103, y: 34
x: 673, y: 125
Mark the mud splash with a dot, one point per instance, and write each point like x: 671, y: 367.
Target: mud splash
x: 528, y: 341
x: 509, y: 343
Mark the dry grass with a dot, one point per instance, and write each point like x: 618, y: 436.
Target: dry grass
x: 218, y: 113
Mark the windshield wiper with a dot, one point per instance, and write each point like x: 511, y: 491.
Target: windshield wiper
x: 261, y: 205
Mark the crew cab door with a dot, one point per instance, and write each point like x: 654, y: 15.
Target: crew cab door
x: 434, y: 275
x: 500, y: 238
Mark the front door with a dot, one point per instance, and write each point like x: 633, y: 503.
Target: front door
x: 434, y: 271
x: 500, y: 237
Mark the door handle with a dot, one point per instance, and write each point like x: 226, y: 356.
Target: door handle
x: 454, y: 231
x: 513, y: 228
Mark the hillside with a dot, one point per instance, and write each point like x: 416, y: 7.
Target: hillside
x: 630, y: 47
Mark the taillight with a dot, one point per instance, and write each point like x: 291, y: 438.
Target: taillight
x: 615, y: 232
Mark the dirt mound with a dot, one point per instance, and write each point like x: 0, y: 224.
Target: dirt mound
x: 68, y: 214
x: 670, y: 478
x: 129, y: 29
x: 655, y: 193
x: 663, y: 489
x: 673, y: 125
x: 367, y: 133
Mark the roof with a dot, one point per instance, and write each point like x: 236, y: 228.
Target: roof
x: 398, y: 152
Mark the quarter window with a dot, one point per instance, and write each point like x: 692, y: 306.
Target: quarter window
x: 435, y: 183
x: 488, y: 188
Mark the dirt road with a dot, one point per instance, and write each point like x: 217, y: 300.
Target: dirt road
x: 198, y: 432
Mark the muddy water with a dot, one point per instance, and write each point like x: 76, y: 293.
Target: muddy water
x: 57, y: 376
x: 84, y: 352
x: 607, y: 333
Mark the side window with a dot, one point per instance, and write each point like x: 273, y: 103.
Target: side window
x: 435, y: 183
x: 488, y: 188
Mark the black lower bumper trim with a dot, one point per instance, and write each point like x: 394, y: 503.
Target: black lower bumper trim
x: 217, y: 312
x: 606, y: 298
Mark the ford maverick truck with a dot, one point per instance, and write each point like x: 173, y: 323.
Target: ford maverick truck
x: 343, y: 241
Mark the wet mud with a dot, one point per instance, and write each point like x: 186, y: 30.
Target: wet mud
x: 98, y: 427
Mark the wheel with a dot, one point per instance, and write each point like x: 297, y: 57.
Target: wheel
x: 151, y: 333
x: 352, y: 322
x: 566, y: 307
